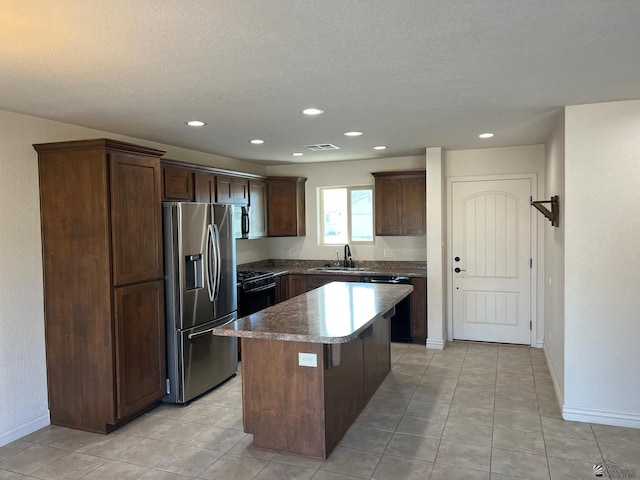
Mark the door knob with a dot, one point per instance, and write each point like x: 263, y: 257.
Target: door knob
x: 458, y: 270
x: 457, y: 259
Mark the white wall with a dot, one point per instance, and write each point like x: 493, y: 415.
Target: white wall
x: 554, y: 337
x: 436, y: 250
x: 602, y: 261
x: 253, y: 250
x: 330, y: 174
x: 23, y: 386
x: 528, y: 159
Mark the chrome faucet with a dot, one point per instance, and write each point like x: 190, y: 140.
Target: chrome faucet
x: 348, y: 261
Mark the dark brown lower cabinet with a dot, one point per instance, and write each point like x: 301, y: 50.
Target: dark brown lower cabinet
x: 376, y: 356
x: 307, y: 410
x: 140, y: 346
x: 418, y: 299
x: 344, y: 388
x: 296, y: 285
x: 282, y: 288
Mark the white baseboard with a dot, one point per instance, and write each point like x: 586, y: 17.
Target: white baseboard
x: 435, y: 344
x: 540, y: 344
x: 605, y: 417
x: 591, y: 415
x: 25, y: 428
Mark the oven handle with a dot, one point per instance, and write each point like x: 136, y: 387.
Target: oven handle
x: 268, y: 286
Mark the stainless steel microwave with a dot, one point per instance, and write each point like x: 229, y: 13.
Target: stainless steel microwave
x: 241, y: 221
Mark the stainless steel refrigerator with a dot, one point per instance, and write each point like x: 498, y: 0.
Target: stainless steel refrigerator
x: 200, y: 286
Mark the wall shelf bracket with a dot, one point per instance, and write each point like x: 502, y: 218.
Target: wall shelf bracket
x: 554, y: 214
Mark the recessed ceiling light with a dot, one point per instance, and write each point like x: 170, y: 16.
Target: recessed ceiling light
x: 380, y: 147
x: 313, y: 111
x: 352, y: 134
x: 256, y: 141
x: 486, y: 135
x: 297, y: 154
x: 196, y: 123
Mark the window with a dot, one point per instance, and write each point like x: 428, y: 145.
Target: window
x: 346, y: 215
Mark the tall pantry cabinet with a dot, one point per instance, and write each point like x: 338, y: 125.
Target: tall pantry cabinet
x: 101, y: 218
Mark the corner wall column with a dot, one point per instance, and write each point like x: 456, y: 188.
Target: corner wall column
x: 436, y: 245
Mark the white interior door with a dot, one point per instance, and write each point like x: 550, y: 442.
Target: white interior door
x: 491, y: 252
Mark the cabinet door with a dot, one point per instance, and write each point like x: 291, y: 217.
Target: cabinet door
x: 388, y: 215
x: 377, y: 355
x: 136, y: 218
x: 418, y: 300
x: 296, y: 285
x: 343, y: 391
x: 258, y: 204
x: 400, y: 203
x: 282, y: 288
x: 414, y: 201
x: 224, y: 189
x: 177, y: 184
x: 240, y: 191
x: 140, y: 346
x: 205, y: 187
x: 286, y: 207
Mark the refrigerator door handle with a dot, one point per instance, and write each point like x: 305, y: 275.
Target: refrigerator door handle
x: 218, y: 255
x: 211, y: 262
x: 200, y: 334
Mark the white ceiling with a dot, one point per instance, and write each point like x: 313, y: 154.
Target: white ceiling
x: 409, y: 74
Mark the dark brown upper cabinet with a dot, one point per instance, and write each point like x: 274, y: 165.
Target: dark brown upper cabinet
x: 400, y: 202
x: 177, y: 184
x: 136, y: 223
x: 230, y: 189
x: 286, y: 206
x: 205, y: 187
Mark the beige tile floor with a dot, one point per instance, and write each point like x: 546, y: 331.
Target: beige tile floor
x: 472, y: 411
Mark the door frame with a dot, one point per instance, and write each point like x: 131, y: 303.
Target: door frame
x: 533, y: 245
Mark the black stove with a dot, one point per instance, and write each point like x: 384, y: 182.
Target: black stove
x: 257, y: 291
x: 251, y: 281
x: 248, y: 274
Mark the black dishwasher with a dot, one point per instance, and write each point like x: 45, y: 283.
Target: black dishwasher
x: 401, y: 321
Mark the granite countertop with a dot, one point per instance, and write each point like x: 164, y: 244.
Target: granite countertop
x: 308, y: 267
x: 335, y: 313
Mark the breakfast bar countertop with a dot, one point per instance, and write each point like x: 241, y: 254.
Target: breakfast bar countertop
x: 334, y: 313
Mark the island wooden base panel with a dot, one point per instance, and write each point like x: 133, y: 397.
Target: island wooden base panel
x: 303, y: 410
x: 282, y: 403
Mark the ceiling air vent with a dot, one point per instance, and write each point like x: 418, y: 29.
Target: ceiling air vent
x: 319, y: 147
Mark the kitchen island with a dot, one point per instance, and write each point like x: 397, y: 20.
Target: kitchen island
x: 310, y: 364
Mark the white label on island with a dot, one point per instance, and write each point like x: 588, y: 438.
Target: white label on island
x: 307, y: 359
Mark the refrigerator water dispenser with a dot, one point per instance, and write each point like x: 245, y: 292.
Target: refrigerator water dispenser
x: 193, y: 272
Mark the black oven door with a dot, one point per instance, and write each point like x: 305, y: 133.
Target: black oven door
x: 257, y: 299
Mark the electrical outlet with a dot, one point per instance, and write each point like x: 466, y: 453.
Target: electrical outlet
x: 388, y: 253
x: 307, y: 360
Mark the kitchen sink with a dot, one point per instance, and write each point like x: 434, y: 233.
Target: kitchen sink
x: 338, y: 269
